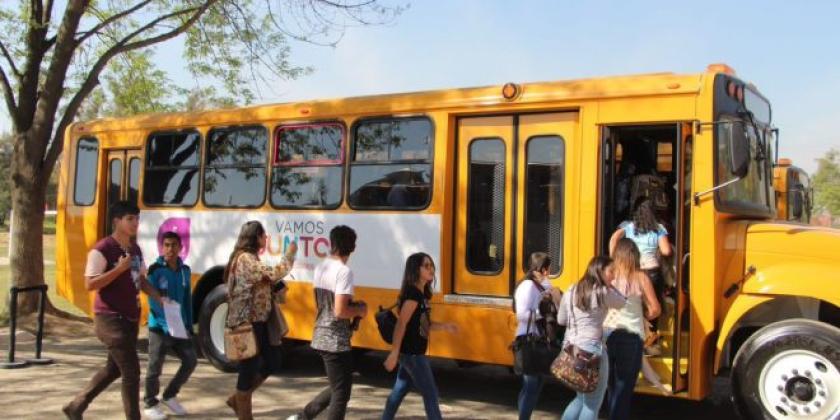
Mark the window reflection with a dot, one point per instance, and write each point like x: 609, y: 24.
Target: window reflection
x: 87, y: 156
x: 391, y: 165
x: 235, y: 172
x: 308, y: 171
x: 171, y: 168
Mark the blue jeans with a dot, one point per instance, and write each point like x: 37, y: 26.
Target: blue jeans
x: 625, y: 350
x: 529, y: 395
x: 414, y: 371
x: 586, y: 406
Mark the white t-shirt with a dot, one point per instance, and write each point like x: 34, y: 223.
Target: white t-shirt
x: 527, y: 297
x: 332, y: 277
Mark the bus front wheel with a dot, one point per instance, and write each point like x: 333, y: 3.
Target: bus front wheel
x: 211, y: 328
x: 789, y: 369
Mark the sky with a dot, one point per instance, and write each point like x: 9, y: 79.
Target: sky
x: 789, y: 50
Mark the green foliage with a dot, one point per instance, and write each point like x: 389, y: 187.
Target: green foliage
x: 826, y: 183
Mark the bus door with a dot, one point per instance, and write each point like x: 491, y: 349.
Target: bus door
x: 122, y: 182
x: 510, y: 189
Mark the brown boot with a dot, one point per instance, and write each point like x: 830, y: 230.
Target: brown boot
x: 243, y: 405
x: 231, y: 402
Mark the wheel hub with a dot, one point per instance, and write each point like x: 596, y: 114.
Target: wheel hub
x: 800, y: 384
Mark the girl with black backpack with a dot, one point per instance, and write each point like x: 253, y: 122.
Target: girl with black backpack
x: 411, y: 338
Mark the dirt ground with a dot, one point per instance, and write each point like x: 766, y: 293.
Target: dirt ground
x: 487, y: 392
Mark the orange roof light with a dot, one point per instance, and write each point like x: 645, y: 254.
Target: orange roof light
x: 720, y: 68
x: 785, y: 162
x: 510, y: 91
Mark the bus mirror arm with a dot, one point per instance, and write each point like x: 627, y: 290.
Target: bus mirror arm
x: 737, y: 285
x: 713, y: 189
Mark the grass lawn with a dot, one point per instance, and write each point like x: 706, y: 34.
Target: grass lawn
x: 49, y: 275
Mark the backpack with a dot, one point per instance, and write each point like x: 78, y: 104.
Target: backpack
x: 651, y: 187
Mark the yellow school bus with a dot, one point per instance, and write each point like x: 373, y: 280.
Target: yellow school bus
x: 479, y: 178
x: 794, y: 195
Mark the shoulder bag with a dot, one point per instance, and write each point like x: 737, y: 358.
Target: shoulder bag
x: 532, y: 354
x: 576, y: 368
x: 240, y: 341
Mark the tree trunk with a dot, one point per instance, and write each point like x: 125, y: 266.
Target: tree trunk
x: 26, y: 256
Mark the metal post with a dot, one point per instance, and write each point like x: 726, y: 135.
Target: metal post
x: 42, y: 302
x: 11, y: 363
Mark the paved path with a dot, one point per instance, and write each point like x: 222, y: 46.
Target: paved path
x: 485, y: 392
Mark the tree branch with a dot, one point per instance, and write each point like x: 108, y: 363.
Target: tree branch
x: 87, y: 34
x: 9, y: 96
x: 121, y: 47
x: 8, y: 56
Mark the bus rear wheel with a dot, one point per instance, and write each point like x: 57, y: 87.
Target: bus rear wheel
x: 211, y: 328
x: 789, y: 370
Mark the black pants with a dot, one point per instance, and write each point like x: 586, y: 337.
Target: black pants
x: 339, y: 367
x: 184, y: 350
x: 263, y: 364
x: 625, y: 358
x: 119, y: 335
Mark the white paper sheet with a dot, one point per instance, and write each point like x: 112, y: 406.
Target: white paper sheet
x: 174, y: 322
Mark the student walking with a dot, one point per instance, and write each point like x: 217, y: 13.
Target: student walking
x: 411, y: 338
x: 583, y: 308
x: 250, y: 287
x: 625, y: 327
x: 650, y: 238
x: 171, y: 278
x: 527, y: 297
x: 336, y: 314
x: 116, y: 272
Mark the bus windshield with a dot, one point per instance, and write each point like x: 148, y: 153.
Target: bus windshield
x: 752, y: 194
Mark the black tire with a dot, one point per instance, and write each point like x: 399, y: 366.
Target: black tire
x: 798, y: 362
x: 214, y: 352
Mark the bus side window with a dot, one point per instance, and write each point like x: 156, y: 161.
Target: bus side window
x: 234, y: 172
x: 171, y: 176
x: 87, y: 155
x: 308, y: 166
x: 391, y: 165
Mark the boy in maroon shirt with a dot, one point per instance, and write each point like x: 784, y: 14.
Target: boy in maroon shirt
x: 115, y: 270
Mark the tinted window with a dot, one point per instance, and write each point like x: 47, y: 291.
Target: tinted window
x: 235, y: 172
x: 753, y: 190
x: 133, y: 179
x: 392, y: 164
x: 87, y: 155
x: 486, y: 206
x: 544, y: 199
x: 171, y: 176
x: 114, y: 188
x: 308, y: 170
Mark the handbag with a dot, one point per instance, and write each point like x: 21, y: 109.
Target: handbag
x: 240, y: 341
x: 532, y: 354
x: 576, y: 368
x: 386, y: 322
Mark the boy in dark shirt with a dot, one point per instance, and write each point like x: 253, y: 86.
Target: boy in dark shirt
x: 115, y: 270
x: 171, y: 277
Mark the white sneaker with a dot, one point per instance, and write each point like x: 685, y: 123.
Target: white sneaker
x: 154, y: 413
x: 294, y: 417
x: 173, y: 405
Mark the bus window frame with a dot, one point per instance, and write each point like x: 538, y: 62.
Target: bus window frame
x: 204, y: 165
x: 341, y: 163
x: 199, y: 166
x: 351, y: 153
x: 76, y: 173
x: 505, y: 214
x: 562, y: 261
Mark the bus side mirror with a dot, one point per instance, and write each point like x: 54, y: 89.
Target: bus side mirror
x: 739, y: 150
